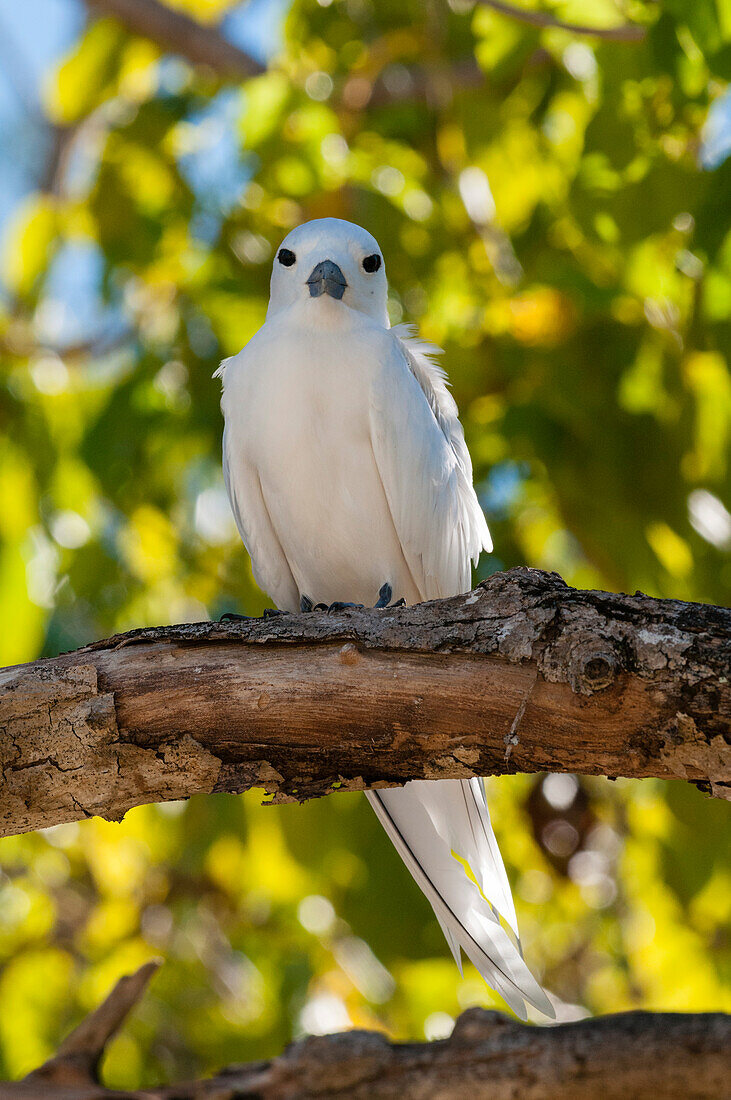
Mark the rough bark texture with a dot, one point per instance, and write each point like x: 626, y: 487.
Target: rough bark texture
x: 637, y: 1055
x: 523, y: 674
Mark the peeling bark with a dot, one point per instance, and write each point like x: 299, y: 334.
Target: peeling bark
x: 523, y: 674
x: 642, y: 1055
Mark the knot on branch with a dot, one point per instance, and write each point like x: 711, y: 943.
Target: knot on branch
x: 587, y: 660
x: 595, y: 670
x: 479, y: 1024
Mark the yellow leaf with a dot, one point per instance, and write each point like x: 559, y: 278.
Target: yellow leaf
x: 265, y: 100
x: 670, y: 549
x: 29, y: 243
x: 87, y: 72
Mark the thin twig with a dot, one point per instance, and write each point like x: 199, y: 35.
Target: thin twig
x: 78, y: 1057
x: 625, y: 32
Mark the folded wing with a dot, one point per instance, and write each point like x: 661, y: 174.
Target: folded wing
x: 425, y: 468
x: 426, y: 473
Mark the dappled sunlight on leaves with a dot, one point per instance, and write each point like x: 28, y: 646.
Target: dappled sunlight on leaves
x: 549, y: 214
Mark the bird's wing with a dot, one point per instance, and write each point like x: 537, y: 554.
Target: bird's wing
x: 269, y: 564
x: 425, y: 468
x: 426, y: 473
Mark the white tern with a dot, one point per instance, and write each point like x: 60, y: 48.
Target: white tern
x: 350, y: 481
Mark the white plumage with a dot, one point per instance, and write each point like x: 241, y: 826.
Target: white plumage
x: 346, y: 468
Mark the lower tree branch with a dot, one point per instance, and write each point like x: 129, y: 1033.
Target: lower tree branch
x: 642, y: 1055
x: 523, y: 674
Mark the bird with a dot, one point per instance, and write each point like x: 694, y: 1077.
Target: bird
x: 350, y: 483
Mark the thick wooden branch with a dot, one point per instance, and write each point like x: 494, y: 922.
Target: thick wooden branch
x: 174, y: 31
x: 641, y: 1055
x: 523, y: 674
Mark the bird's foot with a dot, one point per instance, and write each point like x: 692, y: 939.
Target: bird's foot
x: 233, y: 617
x: 306, y: 604
x: 385, y: 595
x: 384, y: 600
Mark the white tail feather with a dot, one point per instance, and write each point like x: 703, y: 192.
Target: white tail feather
x: 427, y: 822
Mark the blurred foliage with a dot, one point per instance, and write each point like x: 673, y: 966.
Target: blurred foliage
x: 550, y: 224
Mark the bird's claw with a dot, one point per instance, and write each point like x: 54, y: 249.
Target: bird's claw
x: 234, y: 617
x: 385, y: 594
x: 306, y: 604
x: 384, y: 597
x: 384, y: 600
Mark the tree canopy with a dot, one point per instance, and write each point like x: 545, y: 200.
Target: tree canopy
x: 553, y: 210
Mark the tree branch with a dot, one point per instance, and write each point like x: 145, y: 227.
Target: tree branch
x: 626, y: 32
x: 523, y: 674
x: 178, y: 33
x: 641, y: 1055
x: 78, y: 1059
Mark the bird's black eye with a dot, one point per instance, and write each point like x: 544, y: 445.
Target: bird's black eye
x: 372, y: 263
x: 286, y: 257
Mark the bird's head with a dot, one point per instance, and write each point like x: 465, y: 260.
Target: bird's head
x: 327, y: 262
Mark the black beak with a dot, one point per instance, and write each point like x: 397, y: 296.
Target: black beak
x: 327, y: 278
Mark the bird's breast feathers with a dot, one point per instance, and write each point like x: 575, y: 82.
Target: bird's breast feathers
x: 354, y: 441
x: 300, y: 384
